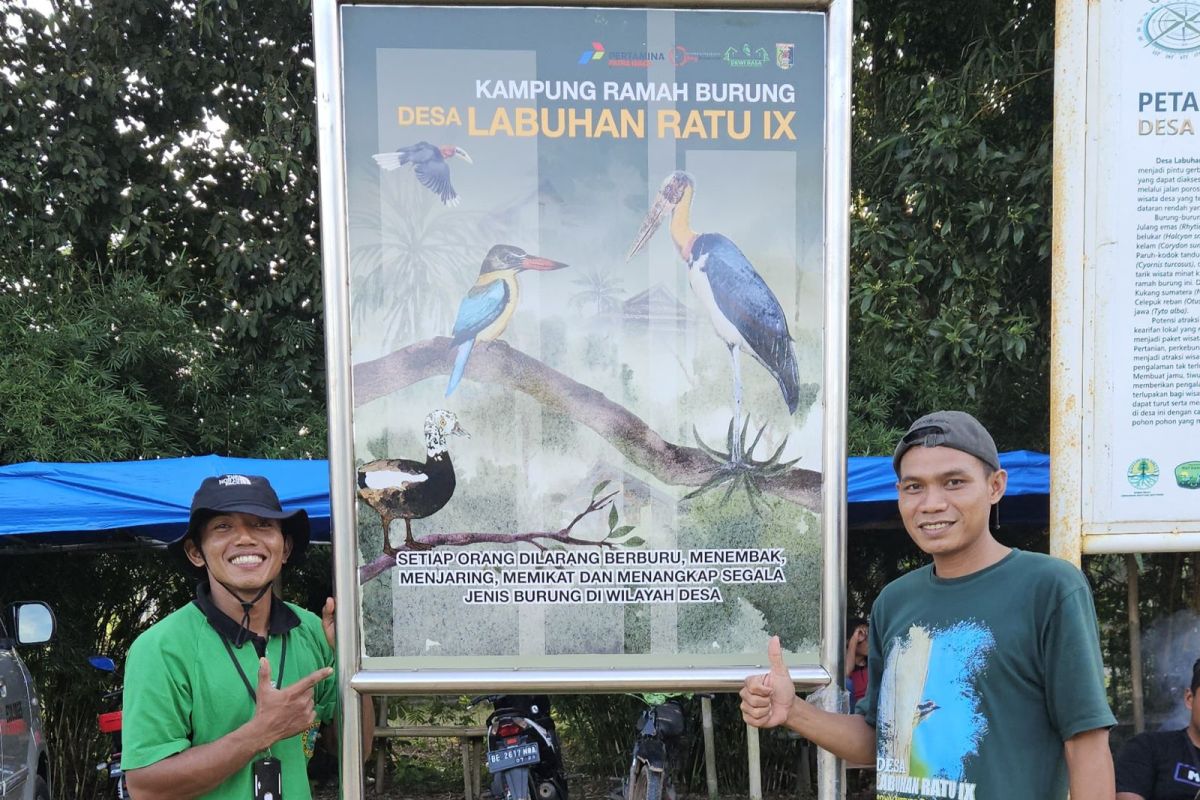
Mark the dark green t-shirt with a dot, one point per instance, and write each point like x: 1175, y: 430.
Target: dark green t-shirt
x: 182, y: 690
x: 977, y: 681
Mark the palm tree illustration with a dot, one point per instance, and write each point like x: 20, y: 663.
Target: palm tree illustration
x: 599, y: 288
x: 413, y: 259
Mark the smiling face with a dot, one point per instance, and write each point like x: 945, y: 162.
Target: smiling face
x: 946, y: 498
x: 242, y: 551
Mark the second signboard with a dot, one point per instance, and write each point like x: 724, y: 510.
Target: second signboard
x: 586, y: 324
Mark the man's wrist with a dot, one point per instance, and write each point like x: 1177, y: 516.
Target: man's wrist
x: 795, y: 717
x: 254, y: 736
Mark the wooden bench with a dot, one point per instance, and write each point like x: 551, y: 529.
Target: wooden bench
x: 470, y: 741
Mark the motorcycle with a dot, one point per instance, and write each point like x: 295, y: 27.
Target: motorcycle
x: 659, y: 729
x: 523, y: 752
x: 109, y: 722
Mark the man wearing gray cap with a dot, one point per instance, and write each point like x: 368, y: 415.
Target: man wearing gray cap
x: 986, y: 679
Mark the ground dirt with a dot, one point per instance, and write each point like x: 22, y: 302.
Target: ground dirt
x: 582, y: 788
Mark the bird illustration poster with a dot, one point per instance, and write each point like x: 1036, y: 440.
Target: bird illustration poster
x: 586, y: 323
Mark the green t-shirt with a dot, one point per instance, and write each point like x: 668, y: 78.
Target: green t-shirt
x: 976, y: 682
x: 182, y: 690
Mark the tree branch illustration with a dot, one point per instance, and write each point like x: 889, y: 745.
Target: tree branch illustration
x: 501, y: 364
x: 539, y: 539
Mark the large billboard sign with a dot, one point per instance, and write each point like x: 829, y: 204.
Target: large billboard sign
x: 1127, y: 292
x: 586, y: 340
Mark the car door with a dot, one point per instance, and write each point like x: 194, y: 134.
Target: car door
x: 10, y: 680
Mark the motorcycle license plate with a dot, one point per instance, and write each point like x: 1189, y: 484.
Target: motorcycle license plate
x: 515, y: 756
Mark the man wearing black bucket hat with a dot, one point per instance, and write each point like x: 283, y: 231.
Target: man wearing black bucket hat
x: 223, y: 697
x: 985, y: 676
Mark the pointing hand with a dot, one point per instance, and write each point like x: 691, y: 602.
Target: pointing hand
x: 283, y: 713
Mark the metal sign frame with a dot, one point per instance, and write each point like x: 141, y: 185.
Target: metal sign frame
x: 335, y: 255
x: 1077, y: 290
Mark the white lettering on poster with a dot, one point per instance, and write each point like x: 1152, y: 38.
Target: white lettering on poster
x: 595, y: 576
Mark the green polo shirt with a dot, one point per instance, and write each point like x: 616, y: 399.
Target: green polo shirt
x: 182, y: 689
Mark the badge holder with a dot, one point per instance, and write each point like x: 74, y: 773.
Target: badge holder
x: 268, y: 778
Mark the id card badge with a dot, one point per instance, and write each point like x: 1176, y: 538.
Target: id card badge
x: 268, y: 779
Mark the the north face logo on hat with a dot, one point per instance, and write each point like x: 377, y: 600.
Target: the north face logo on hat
x: 233, y: 480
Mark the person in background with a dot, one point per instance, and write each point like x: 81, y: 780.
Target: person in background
x: 1164, y: 765
x: 856, y: 659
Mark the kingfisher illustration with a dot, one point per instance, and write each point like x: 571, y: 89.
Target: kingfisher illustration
x: 397, y: 488
x: 744, y: 311
x: 485, y: 311
x: 430, y: 165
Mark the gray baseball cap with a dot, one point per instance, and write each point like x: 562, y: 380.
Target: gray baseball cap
x: 954, y: 429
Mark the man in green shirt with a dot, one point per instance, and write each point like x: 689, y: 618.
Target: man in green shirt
x: 234, y: 684
x: 985, y: 677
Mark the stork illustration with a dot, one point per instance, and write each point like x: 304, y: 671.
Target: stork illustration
x: 430, y: 165
x: 486, y: 310
x: 743, y: 309
x: 397, y: 488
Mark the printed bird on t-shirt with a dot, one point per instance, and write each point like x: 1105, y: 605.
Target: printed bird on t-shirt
x: 397, y: 488
x: 430, y: 163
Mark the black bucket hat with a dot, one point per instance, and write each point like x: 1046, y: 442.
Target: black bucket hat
x: 248, y: 494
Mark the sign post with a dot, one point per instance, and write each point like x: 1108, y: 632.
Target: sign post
x: 585, y: 284
x: 1125, y: 444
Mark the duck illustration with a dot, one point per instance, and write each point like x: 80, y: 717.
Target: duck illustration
x: 397, y: 488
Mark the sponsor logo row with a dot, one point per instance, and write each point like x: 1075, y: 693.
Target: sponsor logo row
x: 1144, y: 473
x: 745, y: 56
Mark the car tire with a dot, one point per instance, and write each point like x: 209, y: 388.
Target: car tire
x: 40, y: 790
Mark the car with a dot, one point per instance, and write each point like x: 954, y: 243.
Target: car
x: 24, y: 762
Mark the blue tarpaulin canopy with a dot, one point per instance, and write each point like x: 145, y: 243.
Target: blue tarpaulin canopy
x: 145, y: 499
x: 87, y: 503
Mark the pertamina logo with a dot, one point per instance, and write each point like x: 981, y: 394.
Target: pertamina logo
x: 624, y: 58
x: 595, y: 54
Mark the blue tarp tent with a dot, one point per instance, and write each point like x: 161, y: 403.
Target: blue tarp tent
x: 65, y: 504
x: 145, y: 499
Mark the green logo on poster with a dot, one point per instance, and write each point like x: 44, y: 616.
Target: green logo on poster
x: 1187, y: 475
x: 746, y: 57
x: 1143, y: 473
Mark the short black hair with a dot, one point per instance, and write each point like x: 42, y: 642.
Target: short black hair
x: 854, y: 623
x: 1195, y: 676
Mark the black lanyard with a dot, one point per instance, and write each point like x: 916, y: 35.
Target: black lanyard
x: 241, y: 673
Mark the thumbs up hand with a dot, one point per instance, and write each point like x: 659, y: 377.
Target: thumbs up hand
x: 767, y: 699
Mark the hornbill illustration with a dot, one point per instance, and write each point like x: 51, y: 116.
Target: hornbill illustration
x: 745, y: 312
x: 489, y: 305
x: 397, y: 488
x: 429, y: 163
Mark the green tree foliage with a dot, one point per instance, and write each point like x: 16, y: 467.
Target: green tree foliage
x: 950, y: 231
x: 159, y: 257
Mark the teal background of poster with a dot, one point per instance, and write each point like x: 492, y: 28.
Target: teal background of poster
x: 631, y: 337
